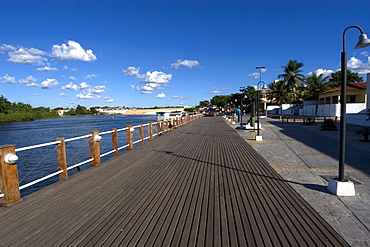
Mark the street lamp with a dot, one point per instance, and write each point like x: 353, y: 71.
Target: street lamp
x: 258, y: 137
x: 341, y: 186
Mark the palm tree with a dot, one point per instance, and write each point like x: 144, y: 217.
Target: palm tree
x: 292, y: 77
x: 278, y: 91
x: 316, y: 84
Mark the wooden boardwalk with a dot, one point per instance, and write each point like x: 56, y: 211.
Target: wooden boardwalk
x: 199, y: 185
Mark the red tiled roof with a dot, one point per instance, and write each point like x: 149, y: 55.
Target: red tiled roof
x: 351, y: 86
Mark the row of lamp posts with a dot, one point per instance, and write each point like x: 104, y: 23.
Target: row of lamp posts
x: 338, y: 185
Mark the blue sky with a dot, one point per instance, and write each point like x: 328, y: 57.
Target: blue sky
x: 160, y: 53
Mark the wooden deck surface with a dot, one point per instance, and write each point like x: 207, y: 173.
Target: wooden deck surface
x: 199, y: 185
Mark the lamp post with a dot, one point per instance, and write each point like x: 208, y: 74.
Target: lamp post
x: 258, y: 100
x: 363, y: 42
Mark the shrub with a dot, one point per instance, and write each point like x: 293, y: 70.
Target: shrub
x: 328, y: 124
x: 365, y: 132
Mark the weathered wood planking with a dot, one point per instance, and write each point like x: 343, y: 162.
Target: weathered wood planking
x: 199, y: 185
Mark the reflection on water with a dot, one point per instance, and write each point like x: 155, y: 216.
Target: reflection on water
x: 39, y: 162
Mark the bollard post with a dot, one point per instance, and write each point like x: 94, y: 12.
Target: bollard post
x: 162, y: 126
x: 150, y: 131
x: 62, y: 158
x: 129, y: 138
x: 157, y: 129
x: 94, y: 146
x: 114, y: 142
x: 9, y: 183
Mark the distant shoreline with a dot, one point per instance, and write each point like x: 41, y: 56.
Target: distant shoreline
x: 149, y: 111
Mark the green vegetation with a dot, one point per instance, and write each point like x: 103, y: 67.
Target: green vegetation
x: 17, y: 112
x: 329, y: 125
x: 365, y: 132
x: 81, y: 110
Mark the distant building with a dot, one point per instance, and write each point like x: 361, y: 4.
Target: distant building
x: 356, y: 93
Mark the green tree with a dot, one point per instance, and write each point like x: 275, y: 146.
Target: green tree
x: 335, y: 80
x: 220, y: 100
x: 293, y: 78
x: 5, y: 105
x: 316, y: 84
x: 251, y: 94
x: 204, y: 103
x: 278, y: 91
x: 80, y: 110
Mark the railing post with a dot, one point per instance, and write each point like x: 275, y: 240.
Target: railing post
x: 114, y: 142
x: 129, y: 138
x: 62, y: 158
x: 150, y: 131
x: 162, y: 126
x: 141, y: 134
x: 157, y: 128
x: 9, y: 183
x: 94, y: 145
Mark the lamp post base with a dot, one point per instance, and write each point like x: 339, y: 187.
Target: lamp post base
x: 341, y: 188
x: 259, y: 138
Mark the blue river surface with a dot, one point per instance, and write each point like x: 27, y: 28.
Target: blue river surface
x: 39, y: 162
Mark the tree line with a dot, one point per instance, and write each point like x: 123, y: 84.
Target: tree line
x: 292, y: 87
x: 17, y: 112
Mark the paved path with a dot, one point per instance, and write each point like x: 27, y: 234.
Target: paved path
x: 199, y: 185
x: 307, y: 157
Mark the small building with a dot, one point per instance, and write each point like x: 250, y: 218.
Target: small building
x: 356, y: 93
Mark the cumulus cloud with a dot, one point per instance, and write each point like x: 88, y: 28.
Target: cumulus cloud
x: 324, y: 72
x: 72, y: 51
x: 87, y: 96
x: 72, y: 78
x: 132, y: 71
x: 216, y: 92
x: 87, y: 77
x: 28, y: 81
x: 161, y: 95
x: 108, y: 99
x: 156, y: 77
x: 49, y: 83
x: 6, y: 48
x: 27, y: 56
x: 47, y: 68
x: 97, y: 89
x: 187, y: 63
x: 70, y: 86
x: 8, y: 79
x: 257, y: 74
x: 62, y: 95
x: 357, y: 66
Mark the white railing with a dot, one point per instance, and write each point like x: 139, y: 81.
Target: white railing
x: 153, y: 130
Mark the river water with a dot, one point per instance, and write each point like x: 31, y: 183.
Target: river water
x: 39, y: 162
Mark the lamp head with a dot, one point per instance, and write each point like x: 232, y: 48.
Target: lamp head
x: 363, y: 41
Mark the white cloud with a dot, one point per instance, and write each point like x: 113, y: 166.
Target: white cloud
x: 357, y: 66
x: 97, y: 89
x: 8, y: 79
x: 72, y: 78
x: 161, y: 95
x: 215, y: 91
x: 257, y: 74
x: 324, y: 72
x: 27, y: 56
x: 87, y: 96
x: 47, y: 68
x: 70, y: 86
x: 62, y: 95
x: 87, y: 77
x: 156, y: 77
x: 187, y: 63
x: 28, y: 80
x: 7, y: 48
x: 108, y: 99
x: 49, y: 83
x: 72, y: 51
x: 179, y: 97
x: 32, y: 84
x: 132, y: 71
x: 365, y: 53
